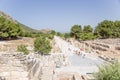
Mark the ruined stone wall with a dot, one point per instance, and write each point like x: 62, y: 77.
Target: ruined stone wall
x: 43, y: 67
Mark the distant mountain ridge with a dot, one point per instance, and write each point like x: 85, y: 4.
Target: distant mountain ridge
x: 23, y: 27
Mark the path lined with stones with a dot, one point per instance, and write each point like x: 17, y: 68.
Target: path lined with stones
x: 11, y: 68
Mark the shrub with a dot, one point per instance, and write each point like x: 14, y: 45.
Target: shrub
x: 109, y: 72
x: 22, y: 48
x: 86, y: 36
x: 42, y: 45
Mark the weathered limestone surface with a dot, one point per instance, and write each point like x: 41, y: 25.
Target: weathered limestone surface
x: 43, y: 67
x: 16, y: 66
x: 68, y: 76
x: 11, y: 68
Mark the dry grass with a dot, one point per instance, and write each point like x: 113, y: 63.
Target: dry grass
x: 11, y: 45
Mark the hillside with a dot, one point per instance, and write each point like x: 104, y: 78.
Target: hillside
x: 23, y: 27
x: 26, y: 28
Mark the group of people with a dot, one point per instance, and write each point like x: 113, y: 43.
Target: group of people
x: 77, y: 51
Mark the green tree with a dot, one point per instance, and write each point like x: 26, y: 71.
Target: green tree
x: 75, y: 31
x: 87, y: 33
x: 8, y: 29
x: 59, y: 34
x: 116, y: 31
x: 42, y: 45
x: 87, y: 29
x: 105, y: 29
x: 53, y: 32
x: 66, y: 35
x: 14, y: 30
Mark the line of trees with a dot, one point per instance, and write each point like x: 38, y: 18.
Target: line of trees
x: 82, y: 34
x: 104, y: 29
x: 108, y: 29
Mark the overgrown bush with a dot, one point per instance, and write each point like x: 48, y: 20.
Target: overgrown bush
x: 8, y: 29
x: 42, y: 45
x: 22, y: 48
x: 86, y: 36
x: 109, y: 72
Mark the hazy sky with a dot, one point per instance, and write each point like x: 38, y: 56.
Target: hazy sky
x: 60, y: 15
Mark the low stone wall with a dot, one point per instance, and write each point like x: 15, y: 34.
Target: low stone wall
x: 101, y: 44
x: 98, y: 48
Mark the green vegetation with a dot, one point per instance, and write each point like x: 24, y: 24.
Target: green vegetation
x: 49, y: 34
x: 87, y: 33
x: 76, y: 30
x: 108, y: 29
x: 26, y: 28
x: 27, y: 31
x: 8, y: 29
x: 66, y: 35
x: 87, y: 29
x: 22, y: 48
x: 86, y: 36
x: 11, y: 29
x: 42, y: 45
x: 79, y: 34
x: 104, y: 29
x: 109, y: 72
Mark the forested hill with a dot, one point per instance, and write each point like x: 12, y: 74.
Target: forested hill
x: 26, y: 28
x: 23, y: 27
